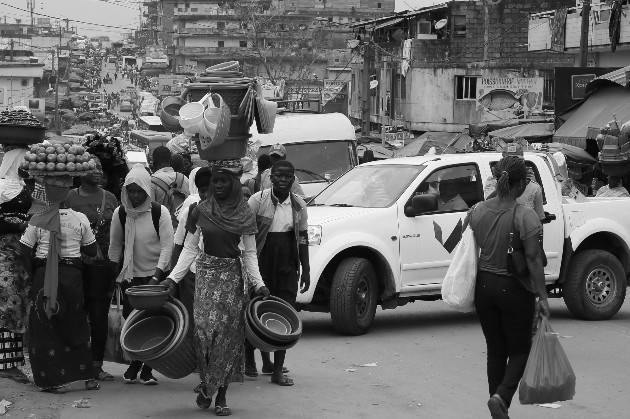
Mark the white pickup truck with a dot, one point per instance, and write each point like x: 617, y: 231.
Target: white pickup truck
x: 375, y: 239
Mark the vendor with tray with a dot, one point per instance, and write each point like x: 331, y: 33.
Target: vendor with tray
x: 51, y: 249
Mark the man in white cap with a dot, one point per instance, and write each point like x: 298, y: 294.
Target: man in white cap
x: 278, y: 152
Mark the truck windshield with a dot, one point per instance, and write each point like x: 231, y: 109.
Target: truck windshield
x: 368, y: 187
x: 320, y: 161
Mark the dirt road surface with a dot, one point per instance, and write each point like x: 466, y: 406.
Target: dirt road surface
x: 430, y: 363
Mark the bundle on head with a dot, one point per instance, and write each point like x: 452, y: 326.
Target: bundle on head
x: 509, y: 171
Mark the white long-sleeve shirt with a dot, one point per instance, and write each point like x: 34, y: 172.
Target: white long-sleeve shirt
x: 193, y: 245
x: 149, y: 250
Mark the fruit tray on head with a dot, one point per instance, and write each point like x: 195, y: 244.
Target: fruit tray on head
x: 45, y: 159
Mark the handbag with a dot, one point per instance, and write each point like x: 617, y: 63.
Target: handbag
x: 115, y: 321
x: 548, y: 375
x: 458, y: 287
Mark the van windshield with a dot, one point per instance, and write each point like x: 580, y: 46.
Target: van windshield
x: 319, y: 161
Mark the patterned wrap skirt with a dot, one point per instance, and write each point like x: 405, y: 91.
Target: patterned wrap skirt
x: 219, y: 318
x: 59, y: 349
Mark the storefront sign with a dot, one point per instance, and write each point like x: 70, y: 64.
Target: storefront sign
x: 578, y: 85
x: 509, y: 97
x: 170, y: 84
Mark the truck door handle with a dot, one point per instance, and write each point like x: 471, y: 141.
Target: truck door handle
x: 548, y: 218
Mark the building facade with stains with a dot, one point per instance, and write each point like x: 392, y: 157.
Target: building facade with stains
x: 443, y: 67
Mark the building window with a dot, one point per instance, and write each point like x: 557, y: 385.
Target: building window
x: 220, y: 44
x: 548, y: 86
x: 193, y: 9
x: 221, y: 26
x: 24, y: 82
x: 459, y: 25
x: 466, y: 87
x: 242, y: 44
x: 378, y: 5
x: 179, y: 9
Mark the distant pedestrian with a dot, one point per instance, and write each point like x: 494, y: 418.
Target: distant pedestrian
x: 116, y: 75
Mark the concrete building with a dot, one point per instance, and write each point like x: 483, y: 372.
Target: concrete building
x: 567, y: 25
x: 300, y: 37
x: 17, y: 81
x: 443, y: 67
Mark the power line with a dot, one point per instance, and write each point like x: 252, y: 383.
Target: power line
x: 72, y: 20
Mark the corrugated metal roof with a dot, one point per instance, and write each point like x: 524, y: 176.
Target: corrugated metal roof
x: 388, y: 23
x: 402, y: 15
x: 617, y: 76
x: 596, y: 111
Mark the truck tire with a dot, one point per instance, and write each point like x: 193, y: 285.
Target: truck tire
x: 353, y: 296
x: 596, y: 285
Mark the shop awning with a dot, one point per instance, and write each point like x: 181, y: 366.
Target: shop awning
x: 443, y: 142
x: 388, y: 23
x: 595, y: 112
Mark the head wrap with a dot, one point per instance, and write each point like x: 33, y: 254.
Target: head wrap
x: 140, y: 177
x: 57, y: 190
x: 10, y: 183
x: 232, y: 213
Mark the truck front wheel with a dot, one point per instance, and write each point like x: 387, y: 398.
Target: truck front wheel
x: 353, y: 296
x: 596, y: 285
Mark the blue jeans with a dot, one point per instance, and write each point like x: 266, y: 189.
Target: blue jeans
x: 506, y: 312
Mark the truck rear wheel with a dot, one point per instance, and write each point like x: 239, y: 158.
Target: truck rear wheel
x: 596, y: 285
x: 353, y: 296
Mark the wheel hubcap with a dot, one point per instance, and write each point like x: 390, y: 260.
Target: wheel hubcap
x: 600, y: 286
x: 362, y: 293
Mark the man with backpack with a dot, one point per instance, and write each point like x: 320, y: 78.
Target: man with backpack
x: 168, y: 187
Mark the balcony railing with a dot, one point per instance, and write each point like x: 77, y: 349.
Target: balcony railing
x: 202, y: 11
x: 541, y: 29
x: 208, y: 50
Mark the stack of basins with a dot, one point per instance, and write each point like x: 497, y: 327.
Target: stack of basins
x: 158, y: 332
x: 272, y: 324
x: 225, y: 80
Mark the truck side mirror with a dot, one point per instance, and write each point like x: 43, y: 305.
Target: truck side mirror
x: 421, y: 204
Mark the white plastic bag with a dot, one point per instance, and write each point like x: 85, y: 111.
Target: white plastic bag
x: 458, y: 288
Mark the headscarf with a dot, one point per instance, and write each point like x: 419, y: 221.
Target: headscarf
x: 57, y: 190
x: 192, y: 188
x: 140, y: 177
x: 232, y: 213
x: 10, y: 183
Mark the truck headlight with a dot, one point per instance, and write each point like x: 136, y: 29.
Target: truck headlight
x: 314, y: 235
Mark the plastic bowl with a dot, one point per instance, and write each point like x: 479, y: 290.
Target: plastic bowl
x: 262, y: 344
x: 170, y: 110
x: 276, y: 323
x: 279, y: 309
x: 147, y: 300
x: 149, y: 335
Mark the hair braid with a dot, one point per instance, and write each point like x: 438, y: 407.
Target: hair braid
x: 509, y: 171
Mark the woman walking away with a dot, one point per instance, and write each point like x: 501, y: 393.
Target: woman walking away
x: 141, y: 237
x: 52, y: 244
x: 505, y: 303
x: 220, y: 225
x: 15, y: 202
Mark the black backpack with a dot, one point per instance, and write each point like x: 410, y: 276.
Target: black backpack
x: 156, y: 213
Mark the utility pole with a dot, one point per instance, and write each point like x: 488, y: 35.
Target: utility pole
x: 365, y: 99
x: 12, y: 41
x: 586, y: 12
x: 31, y: 4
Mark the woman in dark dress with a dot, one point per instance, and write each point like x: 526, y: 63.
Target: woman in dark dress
x: 51, y: 247
x: 15, y: 201
x: 219, y: 225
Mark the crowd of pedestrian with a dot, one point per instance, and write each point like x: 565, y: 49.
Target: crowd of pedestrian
x: 199, y: 231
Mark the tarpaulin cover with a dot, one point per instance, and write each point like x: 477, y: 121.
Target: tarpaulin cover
x: 479, y: 128
x: 444, y: 143
x: 531, y: 132
x: 596, y: 111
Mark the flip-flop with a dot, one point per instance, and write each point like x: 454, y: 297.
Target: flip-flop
x: 222, y: 411
x: 105, y: 376
x: 286, y: 381
x: 203, y: 401
x: 251, y: 372
x: 285, y: 370
x: 56, y: 390
x: 92, y: 385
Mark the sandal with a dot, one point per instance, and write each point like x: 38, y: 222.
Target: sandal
x: 203, y: 401
x: 103, y: 375
x: 18, y: 377
x: 92, y: 384
x: 56, y: 390
x: 222, y: 411
x: 284, y: 382
x: 251, y: 372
